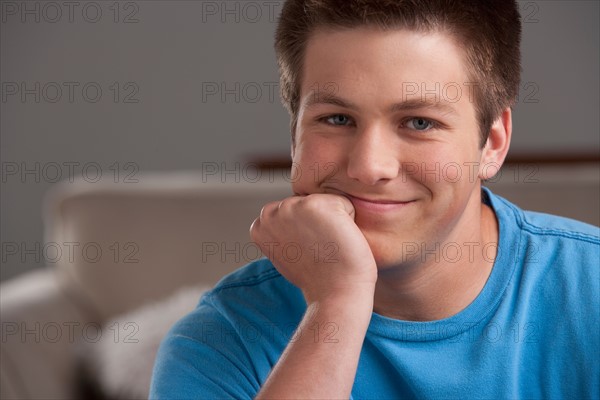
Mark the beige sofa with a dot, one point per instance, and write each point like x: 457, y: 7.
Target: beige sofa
x: 127, y: 245
x: 165, y: 232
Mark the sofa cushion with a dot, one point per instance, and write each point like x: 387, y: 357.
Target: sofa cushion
x: 119, y: 361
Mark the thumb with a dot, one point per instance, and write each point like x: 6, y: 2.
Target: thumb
x: 346, y: 205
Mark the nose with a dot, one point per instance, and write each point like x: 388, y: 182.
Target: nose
x: 373, y: 157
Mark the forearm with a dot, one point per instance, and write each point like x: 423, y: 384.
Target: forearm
x: 322, y: 358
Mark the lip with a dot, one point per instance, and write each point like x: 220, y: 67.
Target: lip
x: 377, y: 205
x: 371, y: 205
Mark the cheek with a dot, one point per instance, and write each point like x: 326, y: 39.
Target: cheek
x: 311, y: 160
x: 447, y: 167
x: 307, y: 156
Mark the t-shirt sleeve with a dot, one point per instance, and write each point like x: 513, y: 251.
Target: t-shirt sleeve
x: 203, y: 357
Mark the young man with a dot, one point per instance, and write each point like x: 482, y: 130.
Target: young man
x: 411, y: 281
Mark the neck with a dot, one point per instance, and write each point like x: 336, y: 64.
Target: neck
x: 442, y: 285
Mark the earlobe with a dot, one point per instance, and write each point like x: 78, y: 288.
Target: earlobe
x: 495, y: 149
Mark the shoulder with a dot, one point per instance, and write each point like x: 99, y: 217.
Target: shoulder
x: 255, y: 294
x: 228, y: 344
x: 255, y: 273
x: 537, y: 224
x: 561, y: 243
x: 546, y: 224
x: 547, y: 247
x: 255, y: 285
x: 553, y: 256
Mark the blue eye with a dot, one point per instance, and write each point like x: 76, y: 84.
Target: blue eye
x: 419, y: 124
x: 338, y: 119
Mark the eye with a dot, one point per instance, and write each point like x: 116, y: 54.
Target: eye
x: 337, y: 119
x: 419, y: 124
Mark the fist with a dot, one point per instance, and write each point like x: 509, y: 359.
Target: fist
x: 314, y: 243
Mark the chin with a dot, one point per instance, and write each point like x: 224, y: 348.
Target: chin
x: 391, y: 251
x: 387, y: 261
x: 386, y: 256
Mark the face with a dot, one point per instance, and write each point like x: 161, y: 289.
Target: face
x: 386, y: 119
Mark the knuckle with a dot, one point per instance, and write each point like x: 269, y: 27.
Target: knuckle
x: 287, y: 204
x: 314, y: 202
x: 263, y: 212
x: 254, y: 227
x: 267, y: 209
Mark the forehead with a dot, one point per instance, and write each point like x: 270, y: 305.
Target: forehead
x: 385, y: 65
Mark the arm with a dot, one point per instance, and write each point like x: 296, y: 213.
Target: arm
x: 322, y: 361
x: 339, y: 294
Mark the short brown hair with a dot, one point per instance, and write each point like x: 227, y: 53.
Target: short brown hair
x: 489, y: 32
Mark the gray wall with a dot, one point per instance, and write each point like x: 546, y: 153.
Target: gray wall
x: 158, y: 65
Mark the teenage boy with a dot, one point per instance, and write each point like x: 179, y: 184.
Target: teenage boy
x: 407, y: 279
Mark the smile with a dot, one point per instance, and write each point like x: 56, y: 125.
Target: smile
x: 377, y: 205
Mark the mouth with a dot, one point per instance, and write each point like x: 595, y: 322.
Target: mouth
x: 376, y: 205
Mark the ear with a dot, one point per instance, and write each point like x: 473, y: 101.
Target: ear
x: 293, y: 139
x: 496, y: 146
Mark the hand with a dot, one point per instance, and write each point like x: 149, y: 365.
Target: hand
x: 314, y: 242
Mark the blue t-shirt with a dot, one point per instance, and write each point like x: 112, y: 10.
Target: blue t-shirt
x: 532, y: 332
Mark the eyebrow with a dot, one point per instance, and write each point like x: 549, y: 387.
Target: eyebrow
x: 315, y: 98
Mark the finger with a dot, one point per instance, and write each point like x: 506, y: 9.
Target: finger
x: 346, y: 204
x: 255, y: 230
x: 269, y: 209
x: 255, y: 225
x: 339, y: 201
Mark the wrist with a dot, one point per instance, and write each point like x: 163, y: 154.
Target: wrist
x: 347, y: 320
x: 355, y: 293
x: 353, y: 299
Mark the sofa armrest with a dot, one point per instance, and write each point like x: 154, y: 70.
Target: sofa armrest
x: 41, y: 324
x: 150, y: 238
